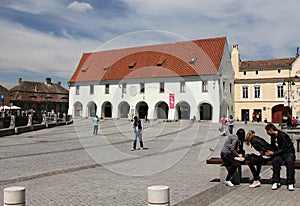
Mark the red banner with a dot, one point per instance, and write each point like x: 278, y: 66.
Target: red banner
x: 171, y: 101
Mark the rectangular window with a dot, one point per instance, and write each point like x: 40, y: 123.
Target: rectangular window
x: 245, y: 73
x: 245, y: 92
x: 142, y: 88
x: 204, y: 86
x: 161, y: 87
x: 91, y: 89
x: 182, y: 86
x: 230, y: 88
x: 280, y: 91
x: 279, y: 71
x: 256, y: 91
x: 107, y: 89
x: 224, y: 87
x: 123, y: 88
x: 77, y: 89
x: 256, y: 72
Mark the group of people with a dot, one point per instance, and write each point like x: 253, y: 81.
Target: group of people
x: 280, y: 149
x: 224, y: 122
x: 138, y: 128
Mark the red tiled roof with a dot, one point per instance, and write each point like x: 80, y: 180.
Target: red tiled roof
x: 265, y: 64
x: 163, y: 60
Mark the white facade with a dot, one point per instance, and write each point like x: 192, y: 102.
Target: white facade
x: 191, y: 96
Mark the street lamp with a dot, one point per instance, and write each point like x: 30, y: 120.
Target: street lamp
x: 290, y: 93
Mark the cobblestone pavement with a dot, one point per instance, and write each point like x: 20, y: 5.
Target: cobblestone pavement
x: 67, y: 165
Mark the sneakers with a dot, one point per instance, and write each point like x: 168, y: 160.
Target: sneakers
x: 141, y: 148
x: 275, y: 186
x: 253, y: 185
x: 291, y: 187
x: 132, y: 149
x: 229, y: 183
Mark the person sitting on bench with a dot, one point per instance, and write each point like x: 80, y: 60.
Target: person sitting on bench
x: 229, y: 151
x: 285, y: 152
x: 262, y: 146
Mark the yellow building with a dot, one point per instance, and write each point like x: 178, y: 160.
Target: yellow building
x: 266, y: 90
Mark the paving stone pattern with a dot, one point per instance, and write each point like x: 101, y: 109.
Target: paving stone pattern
x: 69, y: 166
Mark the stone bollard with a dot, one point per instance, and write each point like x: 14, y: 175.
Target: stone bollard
x: 14, y: 196
x: 158, y: 195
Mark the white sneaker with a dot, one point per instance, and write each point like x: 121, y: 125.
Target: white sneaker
x: 132, y: 149
x: 229, y: 183
x: 291, y: 187
x: 275, y: 186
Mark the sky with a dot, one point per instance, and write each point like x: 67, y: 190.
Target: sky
x: 46, y: 38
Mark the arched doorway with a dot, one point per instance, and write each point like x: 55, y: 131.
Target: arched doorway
x: 280, y: 113
x: 123, y: 109
x: 161, y: 110
x: 205, y: 111
x: 183, y: 110
x: 142, y: 109
x: 107, y: 109
x: 78, y: 109
x: 91, y: 109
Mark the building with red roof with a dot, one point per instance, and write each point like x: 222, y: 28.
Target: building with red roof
x: 171, y: 81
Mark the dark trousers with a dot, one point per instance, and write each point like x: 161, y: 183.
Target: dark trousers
x: 231, y: 164
x: 255, y: 166
x: 289, y: 161
x: 230, y: 127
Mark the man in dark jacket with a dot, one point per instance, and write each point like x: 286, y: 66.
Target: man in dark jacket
x: 283, y: 150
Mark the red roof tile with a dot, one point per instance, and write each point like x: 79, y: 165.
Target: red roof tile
x: 163, y: 60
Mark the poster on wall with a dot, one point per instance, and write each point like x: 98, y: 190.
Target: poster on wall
x: 171, y: 100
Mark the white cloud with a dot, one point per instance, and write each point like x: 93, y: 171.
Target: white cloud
x: 34, y: 6
x: 80, y: 7
x: 40, y: 52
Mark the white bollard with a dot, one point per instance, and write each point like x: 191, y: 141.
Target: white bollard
x: 158, y: 195
x: 14, y: 196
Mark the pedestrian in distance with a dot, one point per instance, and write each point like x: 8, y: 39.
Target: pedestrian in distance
x: 138, y: 128
x: 95, y: 122
x: 262, y: 146
x: 283, y: 150
x: 223, y: 125
x: 229, y: 152
x: 230, y: 124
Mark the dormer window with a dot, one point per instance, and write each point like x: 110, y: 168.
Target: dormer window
x: 131, y: 64
x: 106, y: 68
x: 160, y: 62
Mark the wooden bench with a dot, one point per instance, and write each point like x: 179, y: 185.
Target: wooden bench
x: 219, y: 161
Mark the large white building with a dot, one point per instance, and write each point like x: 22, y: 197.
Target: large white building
x: 167, y: 81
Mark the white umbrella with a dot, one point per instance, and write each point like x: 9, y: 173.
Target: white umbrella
x: 5, y: 107
x: 14, y: 107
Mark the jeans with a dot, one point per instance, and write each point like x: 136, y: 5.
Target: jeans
x: 95, y: 132
x: 137, y: 134
x: 230, y: 127
x: 231, y: 164
x: 289, y: 160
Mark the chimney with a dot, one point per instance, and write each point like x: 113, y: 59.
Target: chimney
x: 20, y: 81
x: 235, y: 57
x: 59, y: 83
x: 48, y: 80
x: 297, y: 52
